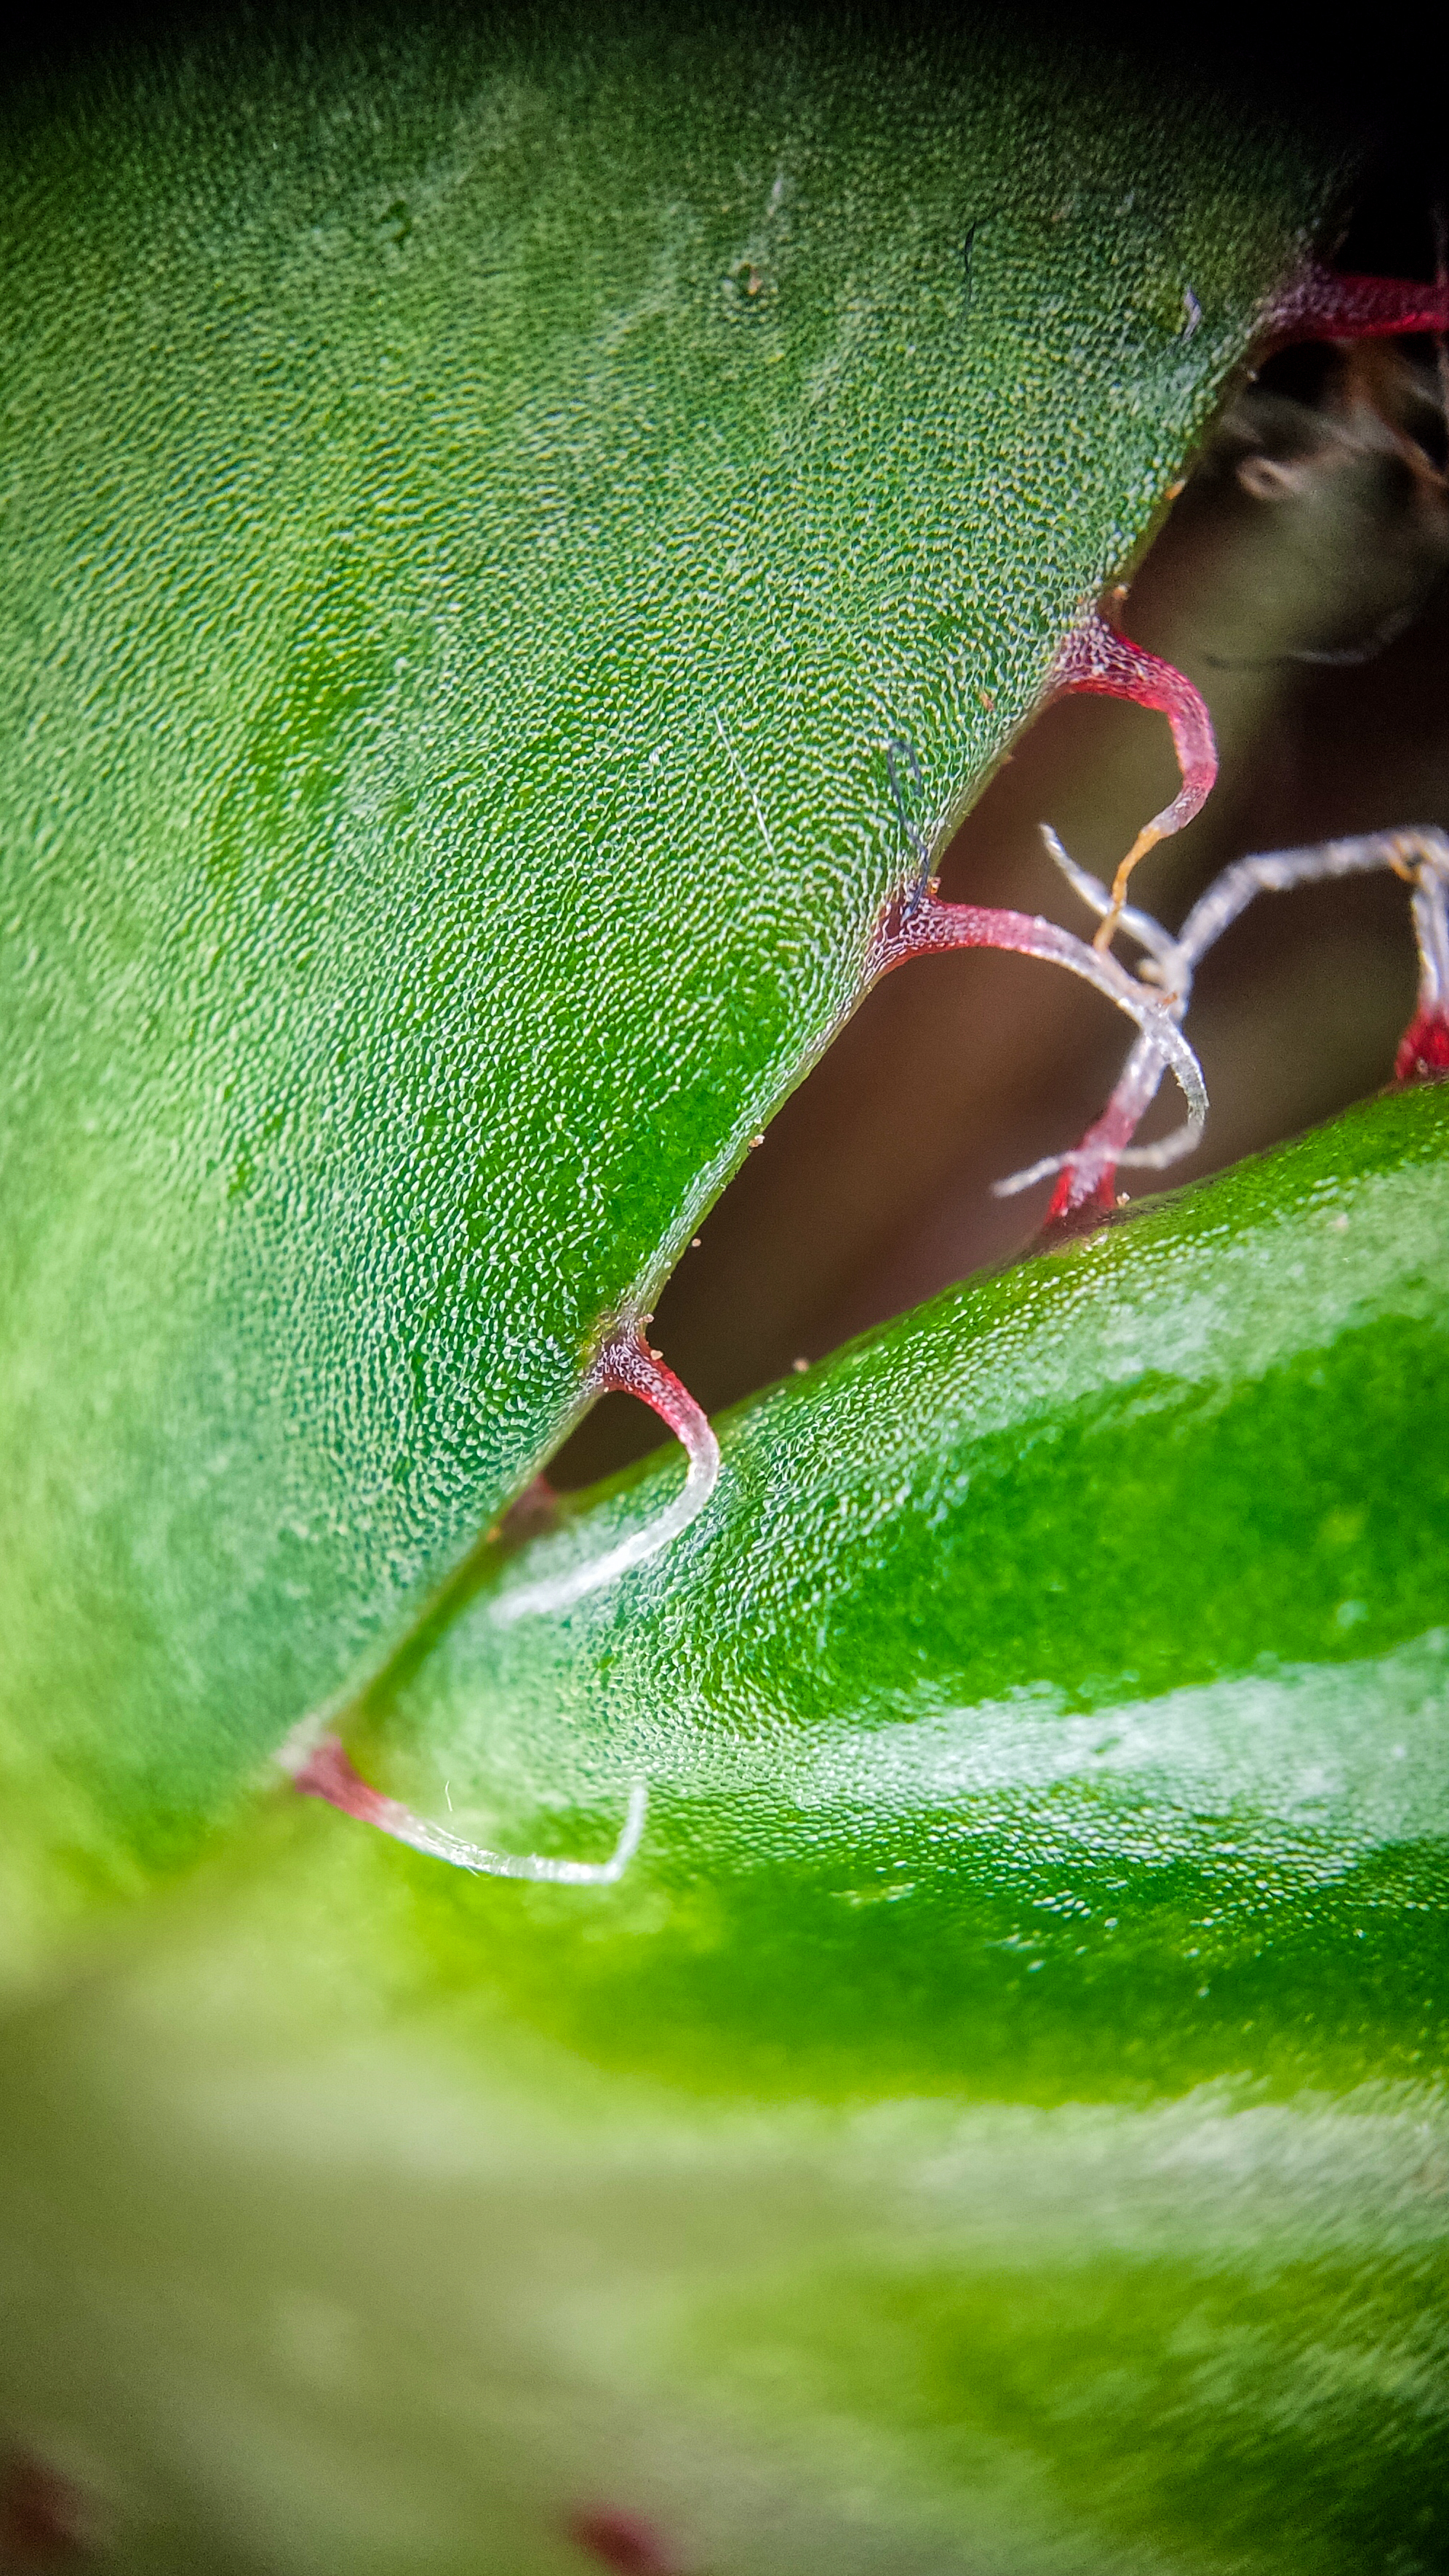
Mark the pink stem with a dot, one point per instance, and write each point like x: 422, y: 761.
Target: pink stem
x: 626, y: 1364
x: 326, y: 1771
x: 1086, y: 1182
x: 1318, y: 305
x: 927, y: 927
x: 1096, y: 661
x: 1423, y: 1054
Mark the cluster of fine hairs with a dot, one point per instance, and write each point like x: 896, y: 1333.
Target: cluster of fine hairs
x: 1087, y: 1174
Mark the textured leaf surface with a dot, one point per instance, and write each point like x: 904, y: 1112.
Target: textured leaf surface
x: 1113, y: 1586
x: 479, y: 501
x: 998, y: 2121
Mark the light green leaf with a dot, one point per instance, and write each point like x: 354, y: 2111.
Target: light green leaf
x: 998, y: 2119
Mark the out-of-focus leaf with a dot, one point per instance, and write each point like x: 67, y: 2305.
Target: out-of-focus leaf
x: 999, y: 2118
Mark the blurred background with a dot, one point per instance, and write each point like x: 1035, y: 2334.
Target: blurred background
x: 1301, y: 579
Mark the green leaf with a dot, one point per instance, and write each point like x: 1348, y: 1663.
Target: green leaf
x: 998, y: 2117
x: 482, y: 497
x: 1112, y: 1586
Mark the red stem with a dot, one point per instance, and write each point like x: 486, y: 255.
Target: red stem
x: 1423, y: 1054
x: 1097, y: 661
x: 625, y: 1365
x: 1316, y: 304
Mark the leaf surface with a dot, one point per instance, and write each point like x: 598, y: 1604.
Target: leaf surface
x: 482, y: 499
x: 999, y: 2117
x: 1110, y: 1587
